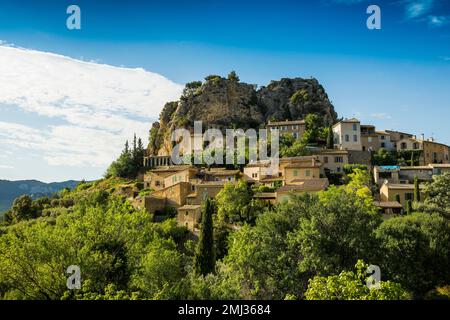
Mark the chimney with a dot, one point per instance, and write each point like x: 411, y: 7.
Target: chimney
x: 422, y: 136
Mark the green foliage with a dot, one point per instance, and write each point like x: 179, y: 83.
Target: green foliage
x: 235, y: 204
x: 146, y: 192
x: 397, y: 197
x: 349, y: 285
x: 112, y: 243
x: 438, y: 194
x: 312, y: 234
x: 383, y: 158
x: 129, y: 163
x: 350, y: 168
x: 409, y: 207
x: 232, y: 76
x: 300, y: 95
x: 23, y: 209
x: 330, y: 138
x: 414, y: 250
x: 416, y: 189
x: 191, y: 88
x: 291, y: 147
x: 315, y: 131
x: 213, y: 78
x: 205, y: 254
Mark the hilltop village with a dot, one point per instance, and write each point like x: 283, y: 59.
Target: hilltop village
x: 324, y: 150
x: 185, y: 187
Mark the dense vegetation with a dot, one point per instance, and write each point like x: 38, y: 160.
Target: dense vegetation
x: 316, y: 246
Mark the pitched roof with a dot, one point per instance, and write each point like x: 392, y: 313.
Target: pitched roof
x: 439, y: 165
x: 286, y: 122
x: 388, y: 204
x: 221, y: 172
x: 265, y: 195
x: 305, y: 185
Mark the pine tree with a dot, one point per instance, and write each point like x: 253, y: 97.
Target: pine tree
x: 408, y: 207
x: 416, y: 189
x: 330, y: 140
x: 127, y: 148
x: 134, y: 147
x: 204, y: 255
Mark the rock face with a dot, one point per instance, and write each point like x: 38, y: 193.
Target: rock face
x: 224, y: 103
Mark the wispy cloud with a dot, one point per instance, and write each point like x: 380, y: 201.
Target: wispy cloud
x: 438, y: 21
x: 380, y: 115
x: 417, y: 8
x: 96, y: 106
x: 2, y: 166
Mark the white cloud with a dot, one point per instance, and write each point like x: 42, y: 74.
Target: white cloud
x: 380, y: 115
x: 438, y: 21
x: 417, y: 8
x: 98, y: 106
x: 2, y: 166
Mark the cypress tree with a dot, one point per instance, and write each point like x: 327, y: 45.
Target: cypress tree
x: 204, y: 260
x: 330, y: 140
x: 408, y: 207
x: 416, y: 189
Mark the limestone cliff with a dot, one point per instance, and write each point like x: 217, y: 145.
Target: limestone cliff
x: 228, y: 103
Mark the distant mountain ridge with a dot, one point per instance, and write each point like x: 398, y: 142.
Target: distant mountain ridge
x: 9, y: 190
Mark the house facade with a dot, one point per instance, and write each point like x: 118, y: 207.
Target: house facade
x: 347, y: 134
x: 294, y: 127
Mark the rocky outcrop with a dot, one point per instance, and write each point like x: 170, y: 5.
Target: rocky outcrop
x: 224, y: 103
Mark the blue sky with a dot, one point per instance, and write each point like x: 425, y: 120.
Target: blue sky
x: 396, y: 78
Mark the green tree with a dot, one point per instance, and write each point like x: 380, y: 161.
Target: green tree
x: 416, y: 189
x: 438, y: 192
x: 330, y: 138
x: 204, y: 255
x: 234, y: 203
x: 349, y: 285
x: 414, y: 250
x: 337, y: 231
x: 23, y: 209
x: 409, y: 207
x: 383, y: 158
x: 232, y: 76
x: 313, y: 128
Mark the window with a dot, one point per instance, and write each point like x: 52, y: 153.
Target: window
x: 338, y: 169
x: 157, y: 183
x: 338, y: 159
x: 295, y: 173
x: 403, y: 145
x: 308, y: 173
x: 347, y: 138
x: 383, y: 145
x: 295, y: 135
x: 325, y: 159
x: 355, y: 138
x: 415, y: 145
x: 295, y: 127
x: 354, y: 127
x: 369, y: 139
x: 255, y: 175
x: 382, y: 137
x: 409, y: 196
